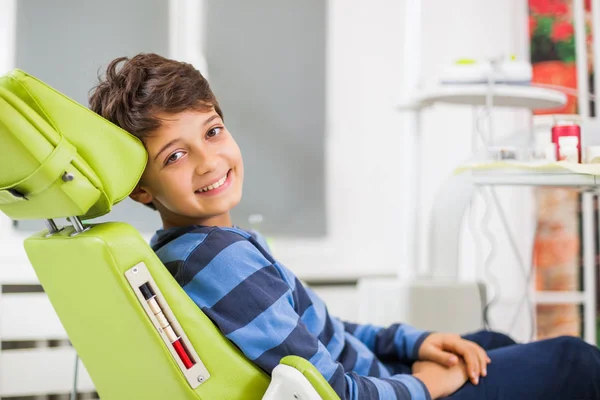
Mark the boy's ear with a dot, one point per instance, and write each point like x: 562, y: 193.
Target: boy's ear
x: 141, y: 195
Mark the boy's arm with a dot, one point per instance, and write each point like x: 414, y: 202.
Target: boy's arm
x: 399, y: 342
x: 245, y: 296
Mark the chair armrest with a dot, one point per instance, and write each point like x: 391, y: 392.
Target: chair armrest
x: 297, y: 379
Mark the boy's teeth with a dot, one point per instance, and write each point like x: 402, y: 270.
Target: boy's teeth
x: 214, y: 185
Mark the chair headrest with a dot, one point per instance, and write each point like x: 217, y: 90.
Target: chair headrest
x: 58, y: 158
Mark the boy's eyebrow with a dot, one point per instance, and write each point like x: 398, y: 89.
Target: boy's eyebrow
x: 166, y: 146
x: 208, y: 121
x: 211, y: 119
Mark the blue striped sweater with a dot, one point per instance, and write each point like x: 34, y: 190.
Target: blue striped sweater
x: 264, y: 309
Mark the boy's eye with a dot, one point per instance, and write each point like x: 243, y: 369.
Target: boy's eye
x: 214, y: 131
x: 174, y: 157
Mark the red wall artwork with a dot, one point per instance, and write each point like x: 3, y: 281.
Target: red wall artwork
x: 557, y: 250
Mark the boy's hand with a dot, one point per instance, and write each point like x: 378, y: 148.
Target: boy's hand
x: 443, y: 348
x: 440, y: 381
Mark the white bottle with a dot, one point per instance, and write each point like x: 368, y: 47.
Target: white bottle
x: 567, y: 149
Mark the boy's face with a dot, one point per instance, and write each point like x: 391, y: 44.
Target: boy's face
x: 194, y: 173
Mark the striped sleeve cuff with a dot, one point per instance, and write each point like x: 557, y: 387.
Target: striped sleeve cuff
x: 417, y: 345
x: 416, y: 388
x: 408, y: 340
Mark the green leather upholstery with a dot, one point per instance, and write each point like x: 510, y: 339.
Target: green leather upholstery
x: 84, y: 278
x: 44, y: 134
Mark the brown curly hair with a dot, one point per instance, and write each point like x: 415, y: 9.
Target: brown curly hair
x: 135, y: 89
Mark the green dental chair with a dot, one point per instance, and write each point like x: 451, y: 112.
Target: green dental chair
x: 137, y: 332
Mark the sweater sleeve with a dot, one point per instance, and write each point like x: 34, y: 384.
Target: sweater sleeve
x: 398, y: 342
x: 243, y: 293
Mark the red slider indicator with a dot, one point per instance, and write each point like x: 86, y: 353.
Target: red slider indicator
x: 185, y: 358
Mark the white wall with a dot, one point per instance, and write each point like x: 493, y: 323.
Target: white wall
x: 364, y: 135
x: 365, y: 83
x: 366, y: 64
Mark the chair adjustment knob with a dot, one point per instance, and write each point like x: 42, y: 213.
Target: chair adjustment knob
x: 68, y: 177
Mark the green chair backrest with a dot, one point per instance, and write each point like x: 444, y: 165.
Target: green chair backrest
x: 123, y: 352
x: 59, y: 159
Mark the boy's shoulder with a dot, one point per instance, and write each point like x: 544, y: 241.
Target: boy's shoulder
x: 200, y: 246
x: 181, y: 241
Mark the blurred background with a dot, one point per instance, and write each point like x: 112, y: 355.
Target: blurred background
x: 350, y: 158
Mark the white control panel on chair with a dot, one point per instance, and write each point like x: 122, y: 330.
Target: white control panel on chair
x: 165, y: 322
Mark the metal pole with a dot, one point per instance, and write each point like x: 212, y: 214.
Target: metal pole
x: 410, y: 151
x: 8, y: 35
x: 75, y: 376
x: 596, y: 46
x: 187, y: 33
x: 589, y: 273
x: 582, y: 64
x: 76, y: 224
x: 52, y: 228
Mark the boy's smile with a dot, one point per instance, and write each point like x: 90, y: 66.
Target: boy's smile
x: 194, y: 173
x: 215, y: 187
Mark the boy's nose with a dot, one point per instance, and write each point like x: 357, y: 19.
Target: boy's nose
x: 205, y: 163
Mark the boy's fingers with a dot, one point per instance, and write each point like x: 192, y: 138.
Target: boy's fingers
x: 480, y: 361
x: 469, y: 353
x: 471, y: 360
x: 483, y: 359
x: 444, y: 358
x: 481, y: 356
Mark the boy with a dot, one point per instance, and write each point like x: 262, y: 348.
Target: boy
x: 194, y: 178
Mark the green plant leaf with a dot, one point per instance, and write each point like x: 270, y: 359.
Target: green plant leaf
x: 544, y: 26
x: 566, y: 50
